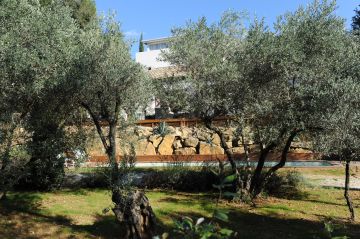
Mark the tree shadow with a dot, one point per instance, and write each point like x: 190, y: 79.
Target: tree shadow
x: 26, y: 207
x: 24, y: 202
x: 251, y: 225
x: 323, y: 202
x: 293, y: 194
x: 248, y: 224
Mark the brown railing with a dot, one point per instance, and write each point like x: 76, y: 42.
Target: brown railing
x: 181, y: 122
x: 208, y: 158
x: 176, y: 122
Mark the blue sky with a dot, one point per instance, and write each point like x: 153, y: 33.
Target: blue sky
x: 156, y: 18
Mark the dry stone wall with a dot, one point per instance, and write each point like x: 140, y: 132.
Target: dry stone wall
x: 185, y: 141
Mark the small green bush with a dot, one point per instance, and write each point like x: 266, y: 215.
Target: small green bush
x: 186, y: 180
x: 288, y: 185
x: 162, y: 129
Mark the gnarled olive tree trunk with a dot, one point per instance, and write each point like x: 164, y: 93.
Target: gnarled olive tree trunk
x: 260, y: 179
x: 134, y: 213
x: 242, y: 183
x: 132, y: 208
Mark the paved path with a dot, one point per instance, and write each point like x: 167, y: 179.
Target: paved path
x: 333, y: 181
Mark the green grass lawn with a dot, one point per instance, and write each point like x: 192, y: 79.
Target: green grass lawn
x: 78, y: 214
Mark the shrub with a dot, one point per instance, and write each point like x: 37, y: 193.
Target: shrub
x: 288, y: 185
x: 181, y: 179
x: 44, y: 175
x: 162, y: 129
x: 174, y: 178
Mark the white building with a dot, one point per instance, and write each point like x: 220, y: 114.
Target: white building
x: 157, y: 69
x: 150, y: 58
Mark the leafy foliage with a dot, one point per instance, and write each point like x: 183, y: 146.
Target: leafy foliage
x: 162, y: 129
x: 328, y: 231
x: 200, y: 229
x: 189, y: 229
x: 173, y: 94
x: 38, y: 47
x: 83, y: 11
x: 289, y: 185
x: 356, y: 20
x: 283, y: 81
x: 206, y: 53
x: 141, y: 43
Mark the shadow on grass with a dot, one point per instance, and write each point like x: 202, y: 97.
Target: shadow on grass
x: 324, y: 202
x: 248, y: 224
x: 26, y: 209
x: 24, y: 202
x: 255, y: 226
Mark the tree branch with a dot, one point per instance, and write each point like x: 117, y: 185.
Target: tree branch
x: 283, y: 154
x: 255, y: 181
x: 97, y: 124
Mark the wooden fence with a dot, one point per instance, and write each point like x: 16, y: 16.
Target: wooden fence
x: 182, y: 122
x: 176, y: 122
x: 209, y: 158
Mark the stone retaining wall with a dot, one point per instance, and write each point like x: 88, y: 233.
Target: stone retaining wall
x: 183, y: 141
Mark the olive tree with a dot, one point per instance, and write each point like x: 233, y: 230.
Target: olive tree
x: 206, y: 53
x: 304, y: 52
x: 272, y: 78
x: 109, y: 83
x: 37, y: 48
x: 338, y: 136
x: 83, y: 11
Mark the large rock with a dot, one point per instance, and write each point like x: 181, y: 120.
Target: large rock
x: 185, y: 132
x: 206, y: 148
x: 150, y: 149
x: 203, y: 134
x: 185, y: 151
x: 228, y: 134
x: 254, y: 148
x: 143, y: 147
x: 177, y: 144
x: 300, y: 150
x: 143, y: 132
x: 155, y: 139
x: 301, y: 144
x: 191, y: 142
x: 228, y: 137
x: 237, y: 150
x: 215, y: 139
x: 166, y: 146
x: 177, y: 132
x: 171, y: 129
x: 229, y: 144
x: 248, y: 141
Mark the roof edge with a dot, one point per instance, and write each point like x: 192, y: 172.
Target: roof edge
x: 157, y: 40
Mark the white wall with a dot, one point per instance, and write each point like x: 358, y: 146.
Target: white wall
x: 150, y: 59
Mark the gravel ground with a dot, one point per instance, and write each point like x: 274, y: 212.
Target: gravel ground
x: 333, y: 181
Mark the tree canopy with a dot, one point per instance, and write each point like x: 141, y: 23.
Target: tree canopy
x: 206, y: 53
x: 278, y: 80
x: 356, y: 20
x: 38, y: 47
x: 83, y: 11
